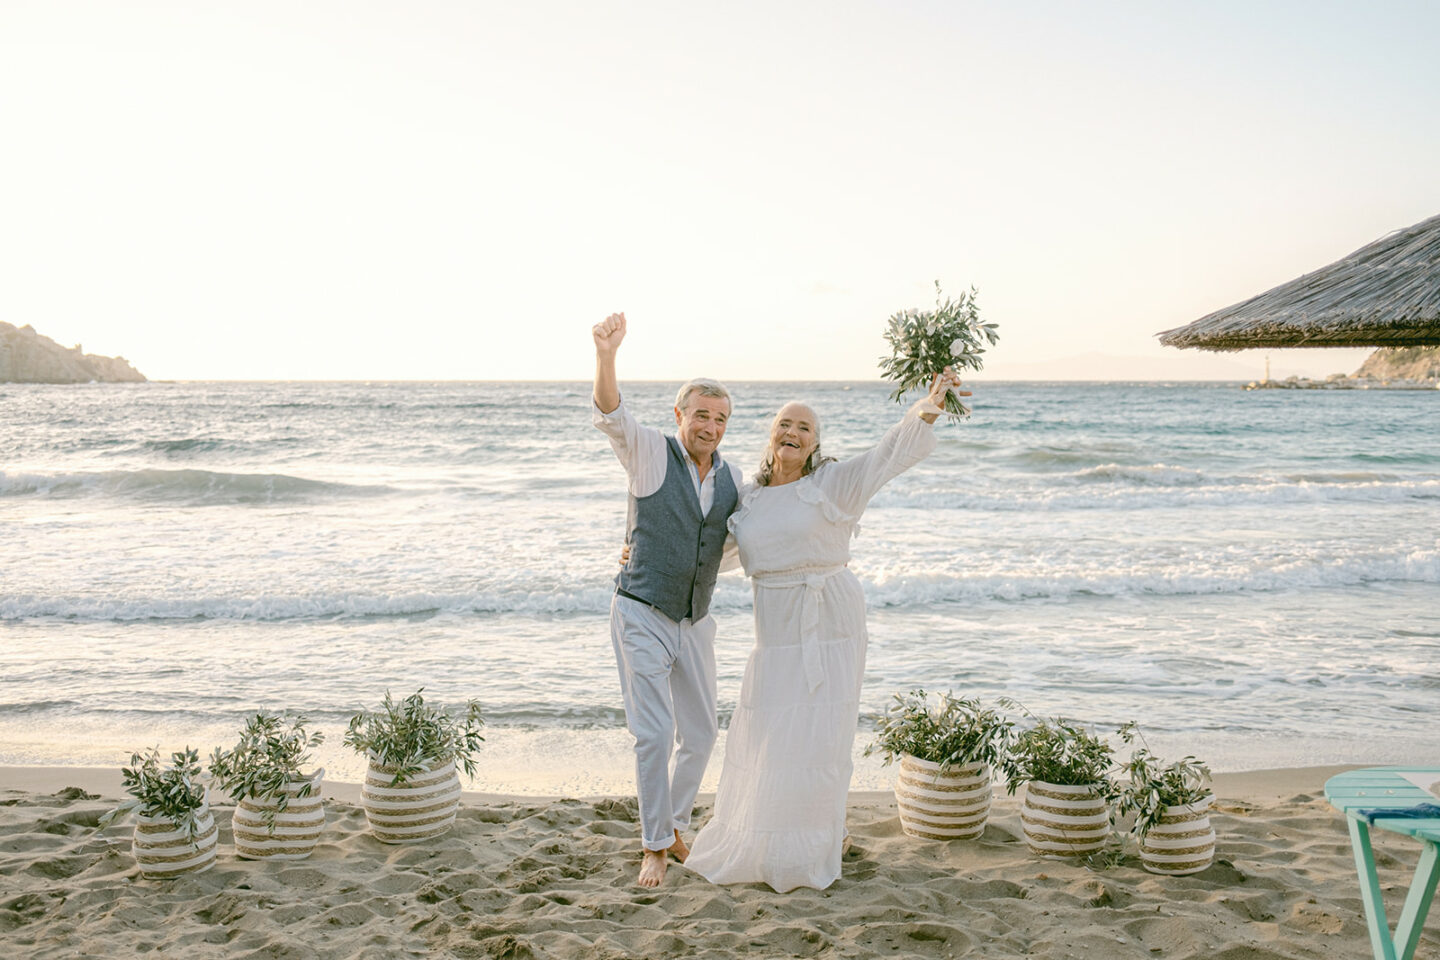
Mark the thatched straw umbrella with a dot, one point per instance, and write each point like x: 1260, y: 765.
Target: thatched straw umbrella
x: 1386, y: 294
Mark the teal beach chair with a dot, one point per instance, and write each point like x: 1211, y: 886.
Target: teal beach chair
x: 1379, y: 788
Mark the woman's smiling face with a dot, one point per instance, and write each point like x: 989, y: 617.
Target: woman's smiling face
x: 794, y: 435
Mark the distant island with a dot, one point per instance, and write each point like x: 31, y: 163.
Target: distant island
x: 27, y: 357
x: 1389, y: 368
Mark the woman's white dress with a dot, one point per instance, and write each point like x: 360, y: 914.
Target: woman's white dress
x: 780, y: 806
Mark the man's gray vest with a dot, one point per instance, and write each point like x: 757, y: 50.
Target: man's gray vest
x: 674, y: 551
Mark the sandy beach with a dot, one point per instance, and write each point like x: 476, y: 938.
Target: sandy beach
x: 522, y: 877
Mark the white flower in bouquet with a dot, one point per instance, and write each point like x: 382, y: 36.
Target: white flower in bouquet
x: 924, y: 343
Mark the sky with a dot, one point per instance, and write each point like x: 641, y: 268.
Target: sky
x: 459, y: 190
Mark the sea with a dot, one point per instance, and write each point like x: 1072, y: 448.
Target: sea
x: 1252, y: 576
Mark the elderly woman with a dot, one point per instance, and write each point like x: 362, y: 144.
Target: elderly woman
x: 780, y: 808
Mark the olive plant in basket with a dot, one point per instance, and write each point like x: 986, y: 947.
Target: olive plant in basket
x: 175, y: 831
x: 947, y: 750
x: 411, y: 737
x: 1151, y: 784
x: 946, y: 730
x: 925, y: 342
x: 412, y: 788
x: 1068, y: 788
x: 1058, y: 751
x: 279, y: 813
x: 172, y: 792
x: 269, y: 756
x: 1170, y: 802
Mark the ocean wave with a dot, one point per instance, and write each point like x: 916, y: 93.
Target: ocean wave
x: 1154, y: 491
x: 203, y: 711
x: 317, y: 606
x: 1343, y: 476
x: 1056, y: 457
x: 185, y: 445
x: 183, y: 448
x: 181, y: 486
x: 915, y: 589
x: 1156, y: 474
x: 1396, y: 457
x: 572, y: 716
x: 33, y: 706
x: 923, y: 589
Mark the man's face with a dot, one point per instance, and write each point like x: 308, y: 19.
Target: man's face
x: 701, y: 424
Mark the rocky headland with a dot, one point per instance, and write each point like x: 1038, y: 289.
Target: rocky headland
x: 1389, y: 368
x: 27, y: 357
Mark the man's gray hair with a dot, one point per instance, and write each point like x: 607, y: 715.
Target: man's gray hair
x: 703, y: 386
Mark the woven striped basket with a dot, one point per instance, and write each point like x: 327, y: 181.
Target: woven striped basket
x: 1064, y: 821
x: 949, y: 805
x: 422, y: 807
x: 1182, y: 842
x: 296, y: 832
x: 165, y: 852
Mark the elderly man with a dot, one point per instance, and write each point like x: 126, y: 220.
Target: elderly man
x: 681, y: 494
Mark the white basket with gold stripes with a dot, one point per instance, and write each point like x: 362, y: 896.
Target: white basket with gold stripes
x: 422, y: 807
x: 165, y: 851
x: 1064, y: 821
x: 1181, y: 842
x: 296, y: 830
x: 952, y: 804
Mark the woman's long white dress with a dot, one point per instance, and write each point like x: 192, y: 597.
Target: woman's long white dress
x: 780, y: 806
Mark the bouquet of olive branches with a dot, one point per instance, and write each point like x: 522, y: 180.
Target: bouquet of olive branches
x: 925, y: 342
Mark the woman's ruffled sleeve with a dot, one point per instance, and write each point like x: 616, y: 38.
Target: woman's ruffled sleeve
x: 813, y: 493
x: 849, y: 484
x: 747, y: 496
x: 730, y: 556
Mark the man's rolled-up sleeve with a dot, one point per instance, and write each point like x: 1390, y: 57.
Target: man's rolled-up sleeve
x: 640, y: 449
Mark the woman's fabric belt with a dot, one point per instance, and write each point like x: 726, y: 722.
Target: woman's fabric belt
x: 812, y: 581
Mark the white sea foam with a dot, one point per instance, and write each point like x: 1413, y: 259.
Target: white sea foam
x: 904, y: 586
x: 1154, y: 474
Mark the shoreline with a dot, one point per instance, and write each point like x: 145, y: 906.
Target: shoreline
x: 562, y: 762
x: 1268, y: 784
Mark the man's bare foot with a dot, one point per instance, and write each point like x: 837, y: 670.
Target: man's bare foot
x: 652, y: 868
x: 678, y: 850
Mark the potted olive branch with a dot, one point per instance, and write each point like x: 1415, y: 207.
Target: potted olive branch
x: 279, y: 813
x: 412, y: 786
x: 1056, y: 750
x: 924, y: 342
x: 1170, y: 803
x: 1066, y: 771
x: 947, y: 750
x: 174, y: 832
